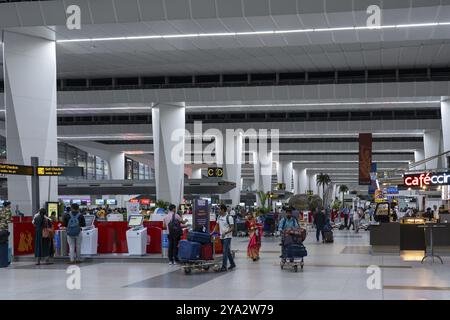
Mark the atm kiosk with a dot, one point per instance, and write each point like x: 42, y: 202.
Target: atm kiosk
x: 89, y: 237
x: 136, y: 236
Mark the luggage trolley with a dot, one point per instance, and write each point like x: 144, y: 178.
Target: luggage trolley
x: 204, y: 265
x: 292, y: 255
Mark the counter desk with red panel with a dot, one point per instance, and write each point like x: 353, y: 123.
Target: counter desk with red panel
x: 111, y: 236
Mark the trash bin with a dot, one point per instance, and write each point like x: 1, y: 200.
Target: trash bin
x: 4, y: 255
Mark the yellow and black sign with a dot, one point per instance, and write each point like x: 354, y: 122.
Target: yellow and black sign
x: 281, y: 186
x: 60, y: 171
x: 215, y: 172
x: 15, y: 169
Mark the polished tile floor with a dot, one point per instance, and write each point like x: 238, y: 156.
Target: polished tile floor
x: 332, y: 271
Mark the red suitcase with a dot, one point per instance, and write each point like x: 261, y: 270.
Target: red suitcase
x: 206, y: 252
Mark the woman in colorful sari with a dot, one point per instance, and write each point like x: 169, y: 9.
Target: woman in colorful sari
x: 254, y: 232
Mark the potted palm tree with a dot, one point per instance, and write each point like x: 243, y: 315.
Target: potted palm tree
x: 323, y: 180
x: 343, y: 189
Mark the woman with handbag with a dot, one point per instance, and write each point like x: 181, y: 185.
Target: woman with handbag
x: 43, y: 240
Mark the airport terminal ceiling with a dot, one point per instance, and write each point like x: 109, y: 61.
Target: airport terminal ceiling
x: 269, y: 107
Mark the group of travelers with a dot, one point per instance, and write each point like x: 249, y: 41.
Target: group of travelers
x: 73, y: 221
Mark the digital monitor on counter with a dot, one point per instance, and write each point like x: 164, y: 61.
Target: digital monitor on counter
x: 135, y: 220
x: 77, y: 201
x: 111, y: 202
x: 99, y: 202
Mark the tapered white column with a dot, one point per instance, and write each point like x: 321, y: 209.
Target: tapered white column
x: 445, y: 117
x: 431, y: 142
x: 303, y: 188
x: 285, y: 173
x: 168, y: 122
x: 117, y: 166
x: 419, y: 155
x: 296, y: 177
x: 29, y: 65
x: 262, y: 166
x: 232, y: 166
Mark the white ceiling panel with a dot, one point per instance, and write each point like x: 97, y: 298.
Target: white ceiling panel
x: 315, y: 20
x: 340, y: 19
x: 390, y: 57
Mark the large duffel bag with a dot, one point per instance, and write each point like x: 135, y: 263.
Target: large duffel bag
x: 295, y: 251
x: 189, y: 250
x: 200, y: 237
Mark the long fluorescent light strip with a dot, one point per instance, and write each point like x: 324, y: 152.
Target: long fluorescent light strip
x: 268, y: 32
x: 313, y: 104
x: 318, y: 104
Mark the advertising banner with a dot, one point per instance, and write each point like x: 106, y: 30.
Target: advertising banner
x: 201, y: 215
x: 365, y: 158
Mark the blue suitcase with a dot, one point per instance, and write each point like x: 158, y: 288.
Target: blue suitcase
x: 296, y: 251
x: 200, y: 237
x: 189, y: 250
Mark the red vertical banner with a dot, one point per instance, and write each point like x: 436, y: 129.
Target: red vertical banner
x: 365, y: 158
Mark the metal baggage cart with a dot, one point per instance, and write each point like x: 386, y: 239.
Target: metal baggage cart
x: 287, y: 262
x: 205, y: 265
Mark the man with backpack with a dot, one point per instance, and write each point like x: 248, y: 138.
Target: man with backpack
x: 73, y: 222
x: 288, y: 221
x: 225, y: 225
x: 173, y: 224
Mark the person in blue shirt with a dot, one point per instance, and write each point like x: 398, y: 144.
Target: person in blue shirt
x: 288, y: 221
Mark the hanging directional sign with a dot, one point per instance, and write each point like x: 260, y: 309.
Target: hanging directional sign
x: 215, y: 172
x: 15, y: 169
x: 60, y: 171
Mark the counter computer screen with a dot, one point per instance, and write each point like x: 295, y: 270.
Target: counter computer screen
x: 135, y: 221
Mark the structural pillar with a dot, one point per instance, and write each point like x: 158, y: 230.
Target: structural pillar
x: 445, y: 117
x: 117, y: 166
x: 419, y: 155
x: 303, y: 181
x: 168, y: 123
x: 232, y: 166
x: 431, y: 142
x: 284, y: 173
x: 29, y: 65
x: 296, y: 173
x: 262, y: 162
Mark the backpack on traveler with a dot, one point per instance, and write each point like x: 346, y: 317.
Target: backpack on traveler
x: 174, y: 227
x: 73, y: 226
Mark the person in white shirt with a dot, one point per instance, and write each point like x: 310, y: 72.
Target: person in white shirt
x: 356, y: 216
x: 225, y: 225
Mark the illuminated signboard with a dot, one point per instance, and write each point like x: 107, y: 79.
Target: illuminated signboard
x: 426, y: 179
x: 215, y: 172
x: 16, y: 169
x: 60, y: 171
